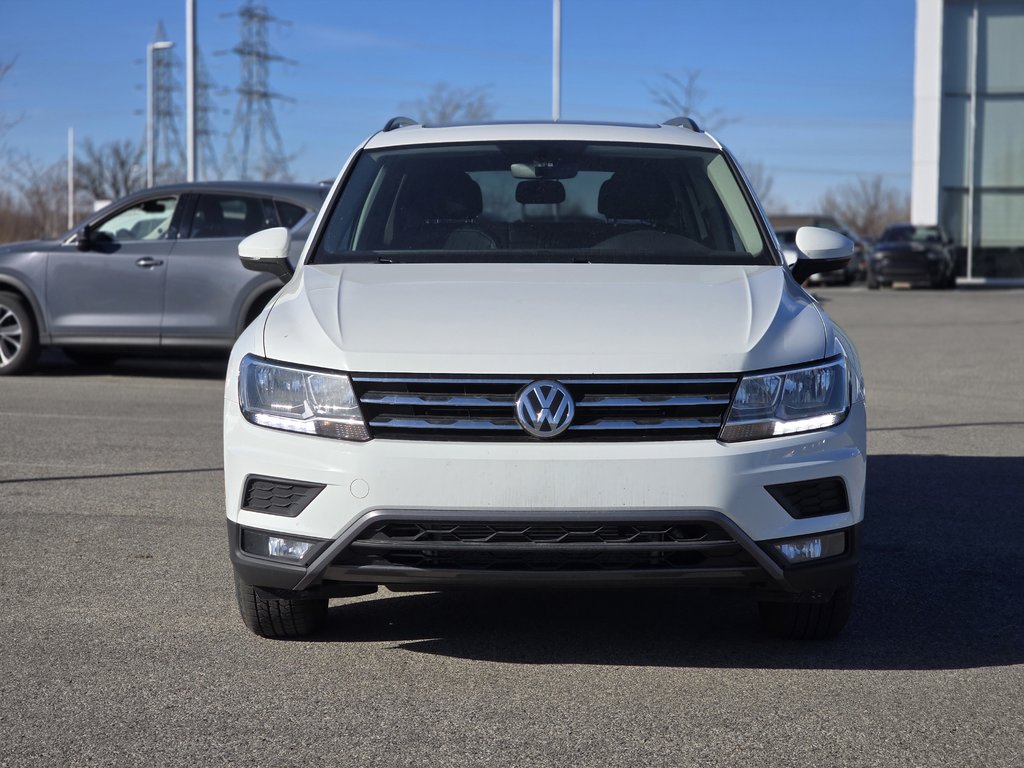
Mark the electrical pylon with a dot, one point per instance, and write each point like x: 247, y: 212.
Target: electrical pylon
x: 254, y: 146
x: 168, y: 147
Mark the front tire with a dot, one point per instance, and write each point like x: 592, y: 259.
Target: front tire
x: 19, y: 338
x: 808, y: 621
x: 278, y: 617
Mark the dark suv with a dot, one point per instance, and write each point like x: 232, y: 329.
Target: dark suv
x: 914, y: 255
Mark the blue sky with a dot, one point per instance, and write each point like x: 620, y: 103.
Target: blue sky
x: 820, y: 91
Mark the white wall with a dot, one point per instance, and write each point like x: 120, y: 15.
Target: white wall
x: 924, y: 193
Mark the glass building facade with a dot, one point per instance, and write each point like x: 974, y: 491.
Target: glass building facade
x: 970, y: 177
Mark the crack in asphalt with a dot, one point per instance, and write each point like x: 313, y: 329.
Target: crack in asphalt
x: 110, y: 475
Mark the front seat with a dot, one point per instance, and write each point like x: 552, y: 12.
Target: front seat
x: 208, y: 220
x: 439, y: 210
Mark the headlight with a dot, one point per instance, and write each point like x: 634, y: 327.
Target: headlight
x: 297, y: 400
x: 787, y: 402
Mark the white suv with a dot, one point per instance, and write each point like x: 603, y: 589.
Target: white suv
x: 550, y: 355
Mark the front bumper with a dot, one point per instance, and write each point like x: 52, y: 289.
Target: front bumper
x: 907, y: 267
x: 684, y: 482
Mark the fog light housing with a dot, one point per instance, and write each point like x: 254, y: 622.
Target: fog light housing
x: 277, y: 546
x: 807, y: 548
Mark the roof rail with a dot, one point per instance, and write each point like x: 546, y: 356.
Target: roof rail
x: 399, y: 122
x: 684, y: 122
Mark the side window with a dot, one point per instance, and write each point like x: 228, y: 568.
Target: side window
x: 148, y: 220
x: 227, y: 216
x: 289, y: 214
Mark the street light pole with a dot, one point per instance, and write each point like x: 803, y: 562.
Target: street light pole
x: 556, y: 60
x: 190, y: 90
x: 150, y: 155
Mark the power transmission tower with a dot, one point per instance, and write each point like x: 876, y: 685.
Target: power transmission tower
x: 168, y: 147
x: 207, y: 161
x: 254, y: 148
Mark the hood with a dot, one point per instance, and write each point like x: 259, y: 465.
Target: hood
x: 27, y: 245
x: 544, y: 319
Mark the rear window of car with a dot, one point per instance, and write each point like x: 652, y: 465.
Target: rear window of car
x: 228, y: 216
x: 543, y: 201
x: 289, y: 214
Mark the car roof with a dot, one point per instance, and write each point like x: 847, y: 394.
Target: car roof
x: 264, y: 188
x: 411, y: 135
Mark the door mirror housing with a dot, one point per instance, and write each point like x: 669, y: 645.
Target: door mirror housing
x: 267, y: 251
x: 820, y: 250
x: 84, y: 241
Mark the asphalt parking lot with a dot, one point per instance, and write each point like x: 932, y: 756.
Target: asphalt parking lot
x: 120, y: 641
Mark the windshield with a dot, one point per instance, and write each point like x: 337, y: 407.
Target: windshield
x: 542, y: 201
x: 905, y: 233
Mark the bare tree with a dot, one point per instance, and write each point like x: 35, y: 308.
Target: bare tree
x: 6, y: 123
x: 684, y: 96
x: 445, y: 105
x: 763, y: 182
x: 868, y: 205
x: 15, y: 221
x: 110, y: 171
x: 43, y: 192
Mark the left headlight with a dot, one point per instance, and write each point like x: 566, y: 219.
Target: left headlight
x: 788, y: 402
x: 297, y: 400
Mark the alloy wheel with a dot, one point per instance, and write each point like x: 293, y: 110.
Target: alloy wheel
x: 10, y: 335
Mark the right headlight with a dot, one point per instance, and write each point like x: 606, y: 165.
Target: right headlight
x: 299, y: 400
x: 788, y: 402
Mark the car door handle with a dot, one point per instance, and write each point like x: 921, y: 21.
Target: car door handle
x: 148, y: 261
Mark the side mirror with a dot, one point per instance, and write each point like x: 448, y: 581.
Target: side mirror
x: 84, y: 240
x: 267, y: 251
x: 821, y: 250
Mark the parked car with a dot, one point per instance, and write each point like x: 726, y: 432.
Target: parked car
x: 155, y: 271
x: 786, y: 225
x: 544, y: 355
x: 915, y: 255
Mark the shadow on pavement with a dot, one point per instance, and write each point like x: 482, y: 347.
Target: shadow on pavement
x: 941, y: 587
x: 182, y: 365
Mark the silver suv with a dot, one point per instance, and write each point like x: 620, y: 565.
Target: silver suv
x: 156, y: 270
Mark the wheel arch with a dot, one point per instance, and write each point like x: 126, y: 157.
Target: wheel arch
x: 11, y: 284
x: 254, y: 304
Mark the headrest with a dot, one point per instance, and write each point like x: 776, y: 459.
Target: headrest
x: 448, y: 195
x: 635, y: 195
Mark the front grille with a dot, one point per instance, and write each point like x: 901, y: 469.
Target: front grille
x: 812, y: 498
x: 899, y: 263
x: 544, y: 546
x: 275, y: 496
x: 483, y: 407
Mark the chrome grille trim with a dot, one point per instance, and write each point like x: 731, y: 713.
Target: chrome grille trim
x: 607, y: 424
x: 400, y: 423
x: 462, y: 401
x: 599, y: 401
x: 608, y: 407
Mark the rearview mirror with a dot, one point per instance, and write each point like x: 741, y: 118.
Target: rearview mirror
x: 540, y: 192
x: 267, y: 251
x: 820, y: 250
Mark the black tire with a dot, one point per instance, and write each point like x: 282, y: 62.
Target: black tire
x: 278, y: 617
x: 808, y: 621
x: 19, y: 337
x: 90, y: 357
x: 873, y: 284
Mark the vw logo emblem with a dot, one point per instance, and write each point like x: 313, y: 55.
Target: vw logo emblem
x: 544, y: 408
